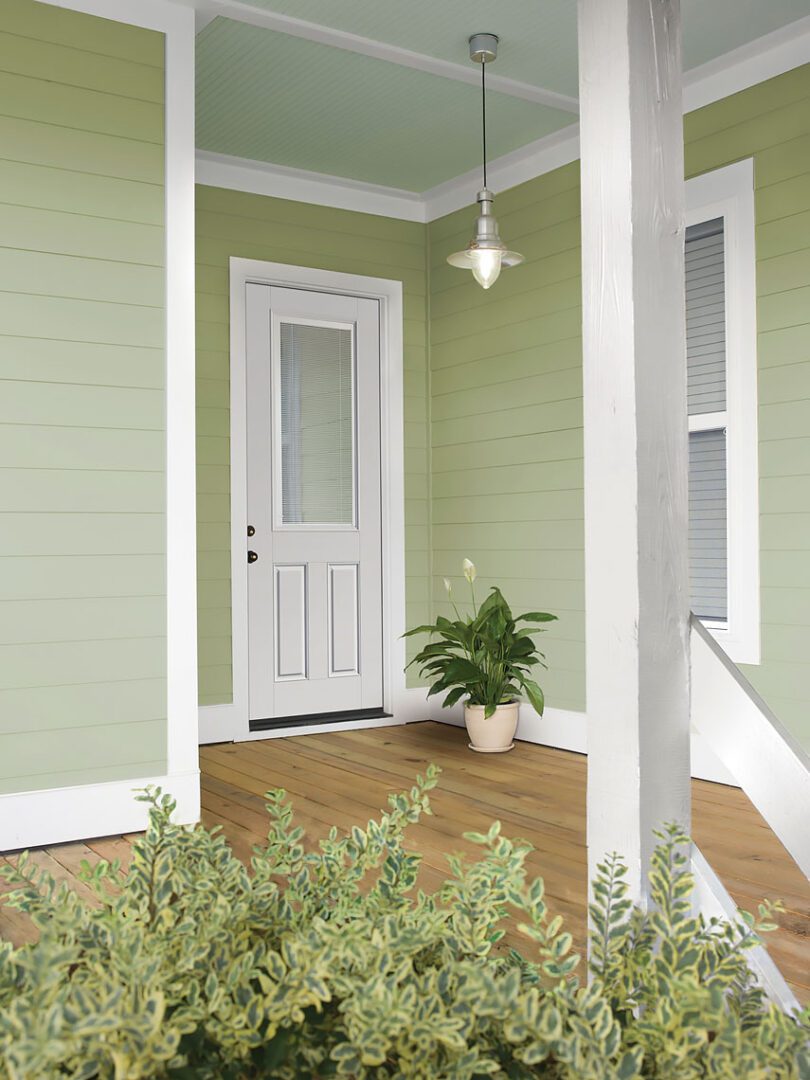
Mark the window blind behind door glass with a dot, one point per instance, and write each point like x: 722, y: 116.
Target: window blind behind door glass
x: 317, y: 424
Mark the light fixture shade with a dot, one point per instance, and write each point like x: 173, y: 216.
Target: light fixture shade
x: 486, y: 253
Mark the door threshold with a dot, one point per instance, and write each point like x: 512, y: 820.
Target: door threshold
x: 271, y: 722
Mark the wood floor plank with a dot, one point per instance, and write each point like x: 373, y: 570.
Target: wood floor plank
x: 112, y: 848
x: 44, y: 859
x: 538, y: 793
x: 15, y: 926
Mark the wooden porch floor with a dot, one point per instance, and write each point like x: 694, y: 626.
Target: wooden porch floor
x: 537, y: 793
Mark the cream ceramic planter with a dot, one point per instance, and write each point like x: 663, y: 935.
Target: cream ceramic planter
x: 492, y: 735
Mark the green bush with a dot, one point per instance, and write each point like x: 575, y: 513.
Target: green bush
x: 326, y: 963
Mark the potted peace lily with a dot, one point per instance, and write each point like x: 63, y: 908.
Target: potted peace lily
x: 486, y: 658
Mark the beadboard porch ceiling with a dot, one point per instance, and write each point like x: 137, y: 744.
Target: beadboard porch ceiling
x: 317, y: 97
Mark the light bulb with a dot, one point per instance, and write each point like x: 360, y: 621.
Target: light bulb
x: 486, y: 266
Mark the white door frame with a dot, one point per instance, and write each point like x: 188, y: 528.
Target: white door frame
x: 220, y: 723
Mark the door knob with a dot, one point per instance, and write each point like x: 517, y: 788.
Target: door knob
x: 252, y: 556
x: 251, y: 531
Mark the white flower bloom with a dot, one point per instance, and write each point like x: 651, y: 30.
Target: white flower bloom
x: 470, y: 573
x: 448, y: 585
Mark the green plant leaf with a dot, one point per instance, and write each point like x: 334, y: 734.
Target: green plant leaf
x: 534, y: 694
x: 455, y: 695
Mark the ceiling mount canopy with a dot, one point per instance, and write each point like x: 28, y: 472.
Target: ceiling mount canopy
x: 486, y: 253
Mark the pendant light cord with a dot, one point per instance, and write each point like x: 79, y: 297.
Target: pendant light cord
x: 484, y: 116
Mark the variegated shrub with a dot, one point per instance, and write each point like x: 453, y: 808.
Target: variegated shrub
x: 328, y: 963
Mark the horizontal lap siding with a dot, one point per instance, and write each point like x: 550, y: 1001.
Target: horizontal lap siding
x: 506, y: 395
x: 771, y: 122
x: 506, y: 410
x: 82, y: 429
x: 232, y: 223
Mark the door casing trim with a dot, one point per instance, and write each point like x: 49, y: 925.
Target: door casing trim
x: 225, y: 723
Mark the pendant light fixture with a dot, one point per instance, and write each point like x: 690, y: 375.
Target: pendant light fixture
x: 486, y: 253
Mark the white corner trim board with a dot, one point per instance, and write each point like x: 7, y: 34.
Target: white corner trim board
x: 176, y: 22
x: 31, y: 819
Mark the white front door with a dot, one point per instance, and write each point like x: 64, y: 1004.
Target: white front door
x: 314, y: 543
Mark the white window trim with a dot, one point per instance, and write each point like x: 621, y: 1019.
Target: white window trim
x: 729, y: 193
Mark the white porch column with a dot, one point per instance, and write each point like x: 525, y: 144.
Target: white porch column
x: 636, y: 580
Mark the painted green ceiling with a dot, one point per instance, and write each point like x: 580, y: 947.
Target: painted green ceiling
x: 538, y: 36
x: 271, y: 97
x: 281, y: 99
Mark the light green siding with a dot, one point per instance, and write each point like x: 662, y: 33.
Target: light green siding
x: 771, y: 122
x: 500, y: 479
x: 506, y: 402
x: 506, y: 395
x: 231, y: 223
x: 82, y: 482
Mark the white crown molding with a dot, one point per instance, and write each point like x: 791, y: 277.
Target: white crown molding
x: 236, y: 10
x: 300, y: 185
x: 764, y: 58
x: 203, y: 18
x: 525, y: 163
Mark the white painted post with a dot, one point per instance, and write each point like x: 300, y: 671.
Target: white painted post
x: 636, y: 594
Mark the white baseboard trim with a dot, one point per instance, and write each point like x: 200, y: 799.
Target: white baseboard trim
x: 559, y: 728
x: 563, y: 729
x: 219, y: 723
x: 58, y: 815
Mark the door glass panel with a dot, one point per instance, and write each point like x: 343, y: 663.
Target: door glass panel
x: 317, y: 424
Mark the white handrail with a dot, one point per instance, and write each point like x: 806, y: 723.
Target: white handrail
x: 763, y: 756
x: 714, y: 901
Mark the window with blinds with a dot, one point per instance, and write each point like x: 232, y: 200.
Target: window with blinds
x: 706, y: 396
